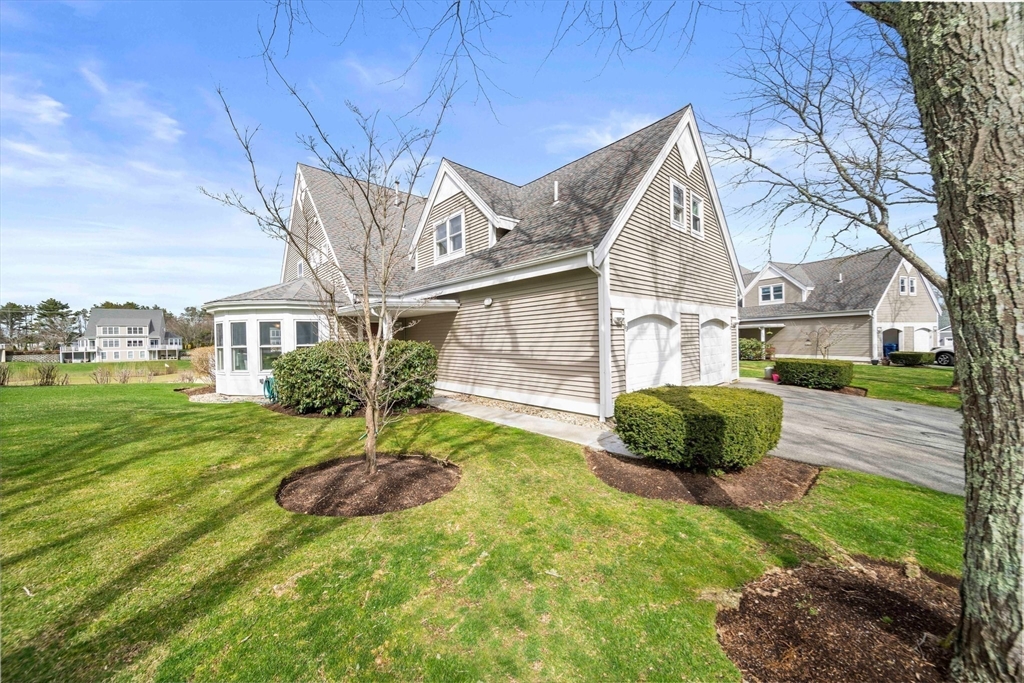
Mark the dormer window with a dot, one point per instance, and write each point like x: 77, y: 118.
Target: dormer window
x: 772, y: 294
x: 913, y: 286
x: 903, y: 285
x: 448, y: 241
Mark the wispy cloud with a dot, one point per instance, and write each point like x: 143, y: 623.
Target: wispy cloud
x: 124, y: 102
x: 565, y: 138
x: 26, y: 106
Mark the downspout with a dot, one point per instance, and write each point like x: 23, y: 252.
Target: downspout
x: 604, y: 337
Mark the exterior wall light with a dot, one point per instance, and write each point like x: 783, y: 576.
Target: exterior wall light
x: 487, y: 302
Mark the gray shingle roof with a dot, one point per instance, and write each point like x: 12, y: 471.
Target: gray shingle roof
x: 865, y: 278
x: 150, y: 318
x: 592, y: 192
x: 299, y: 289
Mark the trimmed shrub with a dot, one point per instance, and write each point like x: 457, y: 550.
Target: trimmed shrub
x: 315, y: 379
x: 911, y: 358
x: 700, y: 428
x: 814, y: 373
x: 751, y: 349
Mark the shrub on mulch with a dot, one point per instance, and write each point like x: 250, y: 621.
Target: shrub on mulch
x: 317, y: 379
x: 911, y: 358
x: 700, y: 428
x: 814, y: 373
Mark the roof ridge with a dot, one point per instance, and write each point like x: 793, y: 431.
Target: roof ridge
x: 358, y: 180
x: 833, y: 258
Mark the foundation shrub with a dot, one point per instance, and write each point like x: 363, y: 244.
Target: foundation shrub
x: 751, y: 349
x: 700, y: 428
x: 814, y: 373
x: 317, y: 379
x: 911, y: 358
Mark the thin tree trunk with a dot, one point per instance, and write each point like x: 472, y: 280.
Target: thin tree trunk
x: 370, y: 448
x: 967, y: 64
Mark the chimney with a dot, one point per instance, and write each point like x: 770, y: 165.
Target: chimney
x: 556, y: 192
x: 398, y: 201
x: 840, y: 277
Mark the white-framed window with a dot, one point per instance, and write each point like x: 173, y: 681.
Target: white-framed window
x: 239, y: 352
x: 448, y: 238
x: 903, y: 285
x: 117, y: 355
x: 677, y: 201
x: 913, y: 286
x: 142, y: 355
x: 136, y: 330
x: 135, y: 342
x: 696, y: 215
x: 302, y: 269
x: 154, y: 342
x: 307, y: 333
x: 131, y: 355
x: 772, y: 294
x: 103, y: 355
x: 111, y: 343
x: 219, y: 343
x: 92, y: 343
x: 110, y: 330
x: 270, y: 344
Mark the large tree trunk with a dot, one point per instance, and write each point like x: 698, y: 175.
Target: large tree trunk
x: 967, y: 65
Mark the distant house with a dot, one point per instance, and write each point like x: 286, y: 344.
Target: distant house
x: 849, y: 308
x: 116, y: 335
x: 613, y: 273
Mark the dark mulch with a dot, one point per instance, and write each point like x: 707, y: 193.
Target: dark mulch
x: 278, y: 408
x: 341, y: 488
x: 196, y: 391
x: 945, y: 390
x: 852, y: 391
x: 870, y: 623
x: 773, y: 480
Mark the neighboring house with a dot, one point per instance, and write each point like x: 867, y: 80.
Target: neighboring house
x: 847, y: 308
x: 115, y: 335
x: 613, y: 273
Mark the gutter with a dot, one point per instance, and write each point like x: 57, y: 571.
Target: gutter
x: 822, y: 314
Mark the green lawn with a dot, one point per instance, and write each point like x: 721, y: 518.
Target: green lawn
x: 146, y: 531
x: 78, y: 373
x: 909, y: 385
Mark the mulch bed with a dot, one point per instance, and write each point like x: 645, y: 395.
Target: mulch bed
x: 852, y: 391
x: 196, y: 391
x: 773, y: 480
x: 945, y: 390
x: 341, y: 487
x: 278, y: 408
x: 873, y: 622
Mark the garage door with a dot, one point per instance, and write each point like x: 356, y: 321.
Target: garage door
x: 652, y: 353
x: 715, y: 352
x: 922, y: 339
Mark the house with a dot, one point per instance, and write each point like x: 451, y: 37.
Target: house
x: 613, y: 273
x: 849, y: 308
x: 116, y: 335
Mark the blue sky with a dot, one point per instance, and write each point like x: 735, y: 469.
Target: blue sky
x: 109, y: 122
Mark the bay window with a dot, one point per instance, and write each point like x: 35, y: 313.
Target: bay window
x: 239, y: 352
x: 306, y: 333
x: 219, y: 342
x: 270, y: 344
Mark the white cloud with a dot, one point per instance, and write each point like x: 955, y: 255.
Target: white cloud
x: 372, y: 75
x: 565, y: 138
x: 29, y: 108
x: 124, y: 102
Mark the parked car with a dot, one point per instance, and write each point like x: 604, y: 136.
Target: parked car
x: 943, y: 355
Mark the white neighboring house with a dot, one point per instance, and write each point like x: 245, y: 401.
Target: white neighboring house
x: 118, y: 335
x: 613, y: 273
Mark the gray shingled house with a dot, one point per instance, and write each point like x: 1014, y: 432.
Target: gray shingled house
x: 848, y: 308
x: 612, y: 273
x: 116, y: 335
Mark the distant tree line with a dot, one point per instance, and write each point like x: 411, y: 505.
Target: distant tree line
x: 50, y: 323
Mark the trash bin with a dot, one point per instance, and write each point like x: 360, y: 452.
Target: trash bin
x: 889, y: 348
x: 769, y: 371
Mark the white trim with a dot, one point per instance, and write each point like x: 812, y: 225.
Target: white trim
x: 604, y: 340
x: 327, y: 241
x: 291, y: 217
x: 262, y: 304
x: 634, y: 307
x: 823, y: 314
x: 861, y: 359
x: 777, y: 273
x: 771, y: 294
x: 461, y: 251
x: 899, y: 325
x: 541, y: 400
x: 672, y: 185
x: 446, y: 171
x: 904, y: 287
x: 571, y: 260
x: 686, y: 121
x: 874, y: 336
x: 695, y: 233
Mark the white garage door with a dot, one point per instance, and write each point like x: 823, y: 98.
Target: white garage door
x: 715, y: 352
x: 652, y: 353
x: 922, y: 340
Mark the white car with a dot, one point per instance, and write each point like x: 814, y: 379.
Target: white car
x: 943, y: 355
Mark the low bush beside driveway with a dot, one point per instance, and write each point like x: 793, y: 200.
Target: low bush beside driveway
x: 814, y: 373
x: 911, y: 358
x: 700, y: 428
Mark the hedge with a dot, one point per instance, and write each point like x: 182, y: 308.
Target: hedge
x: 700, y: 428
x: 316, y: 379
x: 814, y: 373
x: 751, y: 349
x: 911, y: 358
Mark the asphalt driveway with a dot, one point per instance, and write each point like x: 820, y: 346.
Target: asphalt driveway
x: 918, y: 444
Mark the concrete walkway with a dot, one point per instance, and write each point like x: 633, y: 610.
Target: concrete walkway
x: 586, y: 436
x: 919, y: 444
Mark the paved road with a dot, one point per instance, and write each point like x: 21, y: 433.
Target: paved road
x: 919, y: 444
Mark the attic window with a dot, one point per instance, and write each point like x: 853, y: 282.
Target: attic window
x: 302, y: 269
x: 913, y: 286
x: 448, y: 241
x: 696, y: 215
x: 772, y: 294
x: 678, y: 205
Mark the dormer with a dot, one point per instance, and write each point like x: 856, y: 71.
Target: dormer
x: 774, y: 285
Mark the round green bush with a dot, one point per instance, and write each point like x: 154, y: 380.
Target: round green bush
x: 911, y: 358
x: 700, y: 428
x: 317, y: 379
x: 814, y: 373
x: 751, y: 349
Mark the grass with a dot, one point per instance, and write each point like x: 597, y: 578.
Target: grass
x: 890, y: 382
x: 23, y: 374
x: 145, y: 529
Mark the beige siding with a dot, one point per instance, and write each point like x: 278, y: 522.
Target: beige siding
x: 689, y: 348
x: 906, y: 308
x: 850, y: 336
x: 476, y: 230
x: 735, y: 351
x: 651, y: 258
x: 539, y: 338
x: 790, y: 292
x: 311, y: 239
x: 618, y: 364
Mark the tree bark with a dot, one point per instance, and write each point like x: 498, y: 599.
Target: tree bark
x: 967, y: 65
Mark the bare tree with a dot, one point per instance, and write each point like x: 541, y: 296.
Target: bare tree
x: 376, y: 178
x: 830, y: 135
x: 827, y: 336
